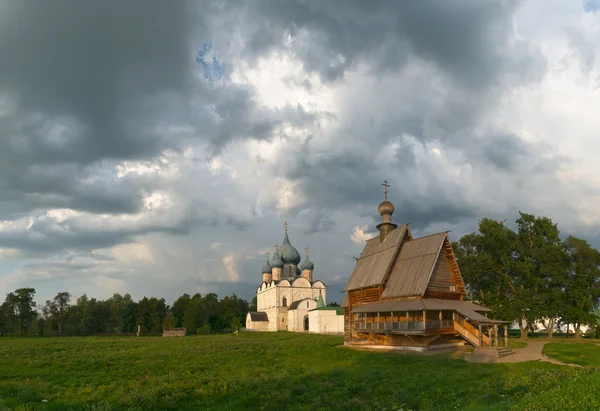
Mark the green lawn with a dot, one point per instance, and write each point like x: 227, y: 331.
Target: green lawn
x: 266, y: 371
x: 516, y: 344
x: 574, y: 353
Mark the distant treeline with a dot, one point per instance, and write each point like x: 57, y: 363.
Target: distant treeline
x: 531, y: 274
x: 20, y: 315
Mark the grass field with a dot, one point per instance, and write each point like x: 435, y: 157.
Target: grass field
x: 264, y: 371
x: 587, y: 354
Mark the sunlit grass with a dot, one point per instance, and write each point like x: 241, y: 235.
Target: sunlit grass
x: 269, y: 371
x: 580, y: 354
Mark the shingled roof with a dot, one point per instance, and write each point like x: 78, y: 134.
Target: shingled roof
x: 414, y: 266
x: 375, y: 260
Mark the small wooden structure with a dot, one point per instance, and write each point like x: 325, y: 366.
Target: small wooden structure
x: 174, y: 332
x: 407, y: 293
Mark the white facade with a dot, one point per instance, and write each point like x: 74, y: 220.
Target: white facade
x: 288, y: 293
x: 276, y: 298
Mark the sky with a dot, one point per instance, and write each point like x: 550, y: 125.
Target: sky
x: 157, y: 148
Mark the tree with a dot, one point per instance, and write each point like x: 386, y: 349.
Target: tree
x: 62, y: 301
x: 488, y: 267
x: 542, y: 268
x: 22, y: 308
x: 581, y: 286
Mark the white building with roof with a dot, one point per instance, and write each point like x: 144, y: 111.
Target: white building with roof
x: 289, y: 299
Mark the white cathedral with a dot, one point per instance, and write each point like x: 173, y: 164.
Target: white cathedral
x: 289, y: 300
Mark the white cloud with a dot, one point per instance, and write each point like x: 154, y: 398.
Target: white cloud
x: 360, y: 234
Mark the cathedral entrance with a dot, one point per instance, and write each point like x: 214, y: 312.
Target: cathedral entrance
x: 306, y: 323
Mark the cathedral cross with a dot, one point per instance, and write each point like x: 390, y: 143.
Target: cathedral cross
x: 285, y: 225
x: 267, y: 255
x: 306, y: 248
x: 385, y: 190
x: 276, y: 247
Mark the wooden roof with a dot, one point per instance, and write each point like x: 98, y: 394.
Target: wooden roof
x: 420, y: 304
x: 375, y: 260
x: 414, y: 266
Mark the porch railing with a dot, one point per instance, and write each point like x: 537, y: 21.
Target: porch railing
x: 405, y: 325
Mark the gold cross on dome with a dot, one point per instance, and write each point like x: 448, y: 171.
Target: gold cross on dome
x: 306, y: 248
x: 276, y: 247
x: 285, y: 225
x: 385, y: 190
x: 267, y: 255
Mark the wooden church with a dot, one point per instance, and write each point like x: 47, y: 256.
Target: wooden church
x: 407, y: 293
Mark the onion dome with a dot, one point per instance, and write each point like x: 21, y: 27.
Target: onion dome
x: 289, y: 255
x: 386, y: 208
x: 267, y: 269
x: 276, y: 261
x: 307, y: 264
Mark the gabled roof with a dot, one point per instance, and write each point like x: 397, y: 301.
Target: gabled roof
x: 414, y: 266
x: 345, y: 301
x: 296, y: 304
x: 258, y: 316
x: 375, y: 260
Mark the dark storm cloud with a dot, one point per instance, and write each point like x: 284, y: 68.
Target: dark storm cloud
x: 83, y: 86
x: 472, y: 41
x: 100, y: 64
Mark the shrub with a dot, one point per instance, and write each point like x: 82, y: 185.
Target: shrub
x: 204, y: 330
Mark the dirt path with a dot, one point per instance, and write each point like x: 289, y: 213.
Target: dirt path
x: 533, y: 352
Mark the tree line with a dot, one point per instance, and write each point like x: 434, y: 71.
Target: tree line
x: 531, y: 274
x: 119, y: 314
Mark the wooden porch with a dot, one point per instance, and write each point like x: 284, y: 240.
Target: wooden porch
x: 479, y: 333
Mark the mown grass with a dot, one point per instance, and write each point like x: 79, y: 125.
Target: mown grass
x: 516, y: 344
x: 266, y: 371
x: 586, y: 354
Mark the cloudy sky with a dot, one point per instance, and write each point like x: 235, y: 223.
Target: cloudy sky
x: 157, y: 147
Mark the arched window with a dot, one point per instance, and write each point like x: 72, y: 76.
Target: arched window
x: 284, y: 302
x: 307, y: 304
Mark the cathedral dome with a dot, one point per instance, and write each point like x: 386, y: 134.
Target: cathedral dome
x: 276, y: 261
x: 386, y: 208
x: 289, y: 255
x: 307, y: 264
x: 267, y: 269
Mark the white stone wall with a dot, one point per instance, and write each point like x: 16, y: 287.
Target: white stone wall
x: 325, y: 322
x: 296, y: 317
x: 256, y: 325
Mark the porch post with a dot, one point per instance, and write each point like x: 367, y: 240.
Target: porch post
x: 392, y: 320
x: 480, y: 335
x: 496, y: 335
x: 378, y: 320
x: 424, y: 319
x: 506, y: 336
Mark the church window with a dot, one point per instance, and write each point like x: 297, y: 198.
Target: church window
x: 307, y: 304
x: 284, y: 302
